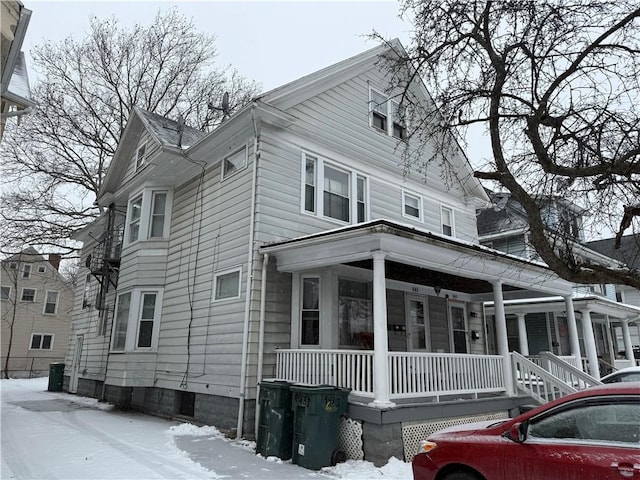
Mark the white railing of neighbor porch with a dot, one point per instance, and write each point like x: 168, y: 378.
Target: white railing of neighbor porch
x: 533, y: 379
x: 411, y: 374
x: 437, y: 374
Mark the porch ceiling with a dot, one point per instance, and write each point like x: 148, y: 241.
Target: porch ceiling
x: 417, y: 256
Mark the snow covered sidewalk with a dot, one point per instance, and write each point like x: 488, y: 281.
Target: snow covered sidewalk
x: 51, y: 435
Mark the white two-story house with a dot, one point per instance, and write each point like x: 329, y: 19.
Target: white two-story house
x: 290, y: 243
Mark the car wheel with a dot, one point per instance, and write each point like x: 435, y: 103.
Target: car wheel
x: 461, y: 475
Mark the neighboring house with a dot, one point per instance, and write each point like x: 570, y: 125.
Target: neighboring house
x: 35, y: 304
x: 289, y: 243
x: 536, y: 325
x: 629, y: 254
x: 14, y: 88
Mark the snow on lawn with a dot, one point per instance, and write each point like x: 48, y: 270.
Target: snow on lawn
x: 56, y: 435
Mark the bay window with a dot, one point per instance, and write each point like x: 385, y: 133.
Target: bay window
x: 333, y: 191
x: 137, y: 320
x: 147, y: 215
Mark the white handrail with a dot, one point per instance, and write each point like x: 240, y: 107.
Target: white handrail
x: 536, y: 381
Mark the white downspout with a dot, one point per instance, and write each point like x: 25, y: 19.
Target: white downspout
x: 247, y: 306
x: 263, y: 301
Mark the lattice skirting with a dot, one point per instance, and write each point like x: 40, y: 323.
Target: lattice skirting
x: 413, y: 433
x: 350, y: 438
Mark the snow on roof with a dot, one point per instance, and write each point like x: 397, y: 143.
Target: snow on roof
x: 19, y: 83
x: 167, y: 131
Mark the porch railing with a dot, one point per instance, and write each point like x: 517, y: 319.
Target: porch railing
x: 410, y: 374
x: 534, y: 380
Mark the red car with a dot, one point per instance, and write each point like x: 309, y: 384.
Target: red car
x: 589, y: 435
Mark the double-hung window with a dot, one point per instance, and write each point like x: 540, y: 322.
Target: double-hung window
x: 137, y: 320
x: 5, y: 293
x: 28, y: 295
x: 147, y: 215
x: 26, y: 270
x: 141, y: 156
x: 411, y: 206
x: 51, y: 302
x: 386, y: 115
x: 333, y: 191
x: 447, y: 221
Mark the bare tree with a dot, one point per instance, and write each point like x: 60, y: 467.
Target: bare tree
x: 556, y: 86
x: 55, y: 162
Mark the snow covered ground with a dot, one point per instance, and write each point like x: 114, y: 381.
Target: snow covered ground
x: 54, y: 435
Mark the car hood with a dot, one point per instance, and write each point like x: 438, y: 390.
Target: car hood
x: 471, y: 428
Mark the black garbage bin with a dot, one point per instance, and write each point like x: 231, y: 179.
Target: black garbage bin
x: 56, y: 377
x: 275, y: 425
x: 316, y: 419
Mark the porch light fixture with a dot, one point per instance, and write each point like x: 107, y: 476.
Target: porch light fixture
x: 437, y: 289
x: 475, y: 335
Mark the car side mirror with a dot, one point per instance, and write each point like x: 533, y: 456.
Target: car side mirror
x: 518, y: 432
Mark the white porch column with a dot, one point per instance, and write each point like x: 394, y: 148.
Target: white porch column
x: 572, y: 326
x: 628, y: 347
x: 501, y: 333
x: 590, y: 344
x: 380, y: 341
x: 522, y: 335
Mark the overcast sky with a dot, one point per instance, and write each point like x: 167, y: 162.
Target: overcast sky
x: 270, y: 42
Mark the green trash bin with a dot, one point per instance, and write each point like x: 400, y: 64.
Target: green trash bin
x: 56, y: 377
x: 275, y: 426
x: 316, y: 419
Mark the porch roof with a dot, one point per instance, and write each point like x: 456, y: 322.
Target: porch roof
x: 417, y: 256
x: 595, y: 304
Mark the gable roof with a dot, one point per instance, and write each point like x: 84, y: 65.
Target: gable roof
x: 628, y: 253
x: 169, y: 133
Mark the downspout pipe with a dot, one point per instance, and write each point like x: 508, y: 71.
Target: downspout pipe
x: 247, y: 307
x: 263, y: 302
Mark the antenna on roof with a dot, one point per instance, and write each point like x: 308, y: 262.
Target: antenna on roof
x: 180, y: 130
x: 224, y: 107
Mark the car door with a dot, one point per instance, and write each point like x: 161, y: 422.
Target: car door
x: 590, y: 439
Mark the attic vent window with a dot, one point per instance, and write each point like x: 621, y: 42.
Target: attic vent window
x: 234, y: 162
x: 141, y: 156
x: 387, y: 115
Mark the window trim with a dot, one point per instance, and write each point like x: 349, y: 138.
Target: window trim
x: 302, y: 309
x: 35, y: 295
x: 132, y: 322
x: 141, y: 162
x: 8, y: 293
x: 55, y: 305
x: 444, y: 208
x: 391, y: 118
x: 222, y: 273
x: 42, y: 269
x: 420, y: 217
x: 86, y: 291
x: 319, y: 175
x: 147, y: 196
x: 42, y: 335
x: 26, y: 271
x: 245, y: 163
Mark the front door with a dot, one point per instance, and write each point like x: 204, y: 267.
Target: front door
x: 459, y: 328
x: 75, y: 366
x: 417, y: 324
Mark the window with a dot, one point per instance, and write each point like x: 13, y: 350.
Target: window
x: 610, y: 420
x: 42, y: 269
x: 13, y: 265
x: 147, y: 319
x: 26, y: 270
x: 411, y: 206
x: 5, y: 293
x: 310, y: 314
x: 51, y: 302
x: 387, y: 115
x: 332, y: 191
x: 355, y: 314
x: 28, y: 295
x: 141, y: 156
x: 135, y: 211
x: 147, y: 215
x: 41, y: 341
x: 86, y: 292
x: 227, y: 285
x: 159, y: 205
x: 447, y: 221
x: 458, y: 315
x: 121, y: 322
x: 234, y: 162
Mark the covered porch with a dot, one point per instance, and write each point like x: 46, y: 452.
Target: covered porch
x: 395, y: 313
